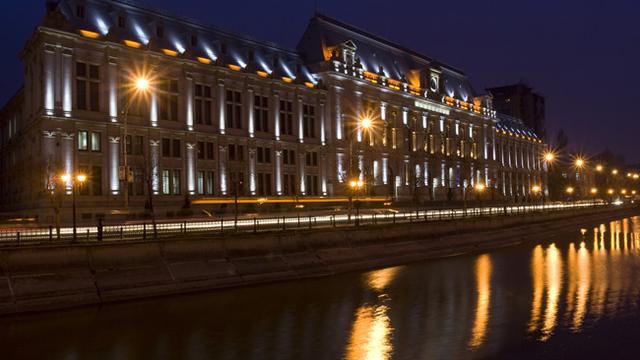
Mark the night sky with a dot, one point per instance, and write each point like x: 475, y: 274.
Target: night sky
x: 583, y: 56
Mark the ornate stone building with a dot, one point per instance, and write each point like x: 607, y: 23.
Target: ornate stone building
x: 226, y: 115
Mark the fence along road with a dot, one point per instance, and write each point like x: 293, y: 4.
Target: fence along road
x: 144, y: 231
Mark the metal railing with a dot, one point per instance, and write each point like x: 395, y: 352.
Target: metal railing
x: 163, y: 230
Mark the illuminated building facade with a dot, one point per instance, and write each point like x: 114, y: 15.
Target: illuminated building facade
x: 226, y: 115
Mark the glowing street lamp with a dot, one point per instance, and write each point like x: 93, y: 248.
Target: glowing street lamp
x: 594, y: 191
x: 569, y: 190
x: 599, y: 168
x: 610, y: 191
x: 74, y: 182
x: 366, y: 123
x: 623, y: 191
x: 535, y: 189
x: 579, y: 163
x: 549, y: 157
x: 614, y: 172
x: 142, y: 84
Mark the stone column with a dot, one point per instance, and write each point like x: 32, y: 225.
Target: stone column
x: 278, y: 172
x: 67, y: 81
x: 112, y: 83
x: 189, y: 101
x: 155, y: 166
x: 114, y: 164
x: 222, y: 164
x: 221, y: 110
x: 252, y: 170
x: 276, y: 114
x: 191, y: 168
x: 48, y: 74
x: 300, y: 120
x: 250, y: 113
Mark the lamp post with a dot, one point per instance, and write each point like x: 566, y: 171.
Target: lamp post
x: 535, y: 189
x: 355, y: 186
x: 365, y: 124
x: 548, y: 158
x: 141, y: 85
x: 569, y: 191
x: 79, y: 179
x: 594, y: 192
x: 479, y: 188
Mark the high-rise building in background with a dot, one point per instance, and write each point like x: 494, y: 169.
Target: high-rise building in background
x: 520, y: 101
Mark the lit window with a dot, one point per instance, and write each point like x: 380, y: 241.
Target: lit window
x: 83, y: 140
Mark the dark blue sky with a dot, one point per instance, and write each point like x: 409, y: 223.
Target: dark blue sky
x: 584, y: 56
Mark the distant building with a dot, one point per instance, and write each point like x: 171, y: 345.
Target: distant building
x: 226, y: 116
x: 520, y: 101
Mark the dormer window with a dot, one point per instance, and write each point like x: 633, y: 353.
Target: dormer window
x: 160, y: 31
x: 80, y: 11
x: 194, y: 40
x: 121, y: 22
x: 433, y: 83
x: 223, y: 49
x: 252, y: 56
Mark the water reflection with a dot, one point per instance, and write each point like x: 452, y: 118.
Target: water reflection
x: 498, y: 304
x: 483, y: 284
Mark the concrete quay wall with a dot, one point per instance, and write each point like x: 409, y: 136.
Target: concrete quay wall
x: 51, y: 277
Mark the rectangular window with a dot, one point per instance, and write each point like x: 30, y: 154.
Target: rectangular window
x: 168, y: 99
x: 137, y: 147
x: 137, y: 187
x: 176, y: 150
x: 286, y: 117
x: 201, y: 182
x: 83, y: 140
x: 309, y: 121
x: 96, y: 141
x: 175, y: 182
x: 210, y: 154
x: 285, y: 156
x: 233, y: 112
x: 210, y: 183
x: 203, y: 104
x: 87, y: 87
x: 232, y: 152
x: 80, y: 11
x: 166, y: 182
x: 166, y: 147
x: 200, y: 150
x: 121, y: 22
x: 261, y: 113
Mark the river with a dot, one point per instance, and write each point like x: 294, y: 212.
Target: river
x: 573, y: 295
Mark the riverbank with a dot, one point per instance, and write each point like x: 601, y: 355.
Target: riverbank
x: 60, y: 276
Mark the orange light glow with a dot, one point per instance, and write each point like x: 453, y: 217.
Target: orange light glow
x: 170, y: 52
x: 133, y: 44
x: 204, y: 60
x: 287, y: 79
x: 234, y: 67
x: 310, y: 85
x: 263, y: 74
x: 89, y: 34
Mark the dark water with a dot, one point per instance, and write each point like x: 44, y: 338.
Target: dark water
x: 573, y: 296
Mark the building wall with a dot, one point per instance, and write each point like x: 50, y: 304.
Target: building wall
x: 78, y: 94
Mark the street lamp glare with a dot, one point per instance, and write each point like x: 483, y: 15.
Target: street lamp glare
x: 366, y: 123
x: 569, y: 190
x: 535, y: 188
x: 65, y: 177
x: 549, y: 156
x: 81, y: 178
x: 594, y: 191
x: 579, y: 162
x: 142, y: 84
x: 610, y: 191
x: 480, y: 187
x: 599, y: 168
x: 614, y: 171
x: 353, y: 183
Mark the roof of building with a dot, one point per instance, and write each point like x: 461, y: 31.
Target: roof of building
x: 119, y: 20
x: 374, y: 52
x: 514, y: 125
